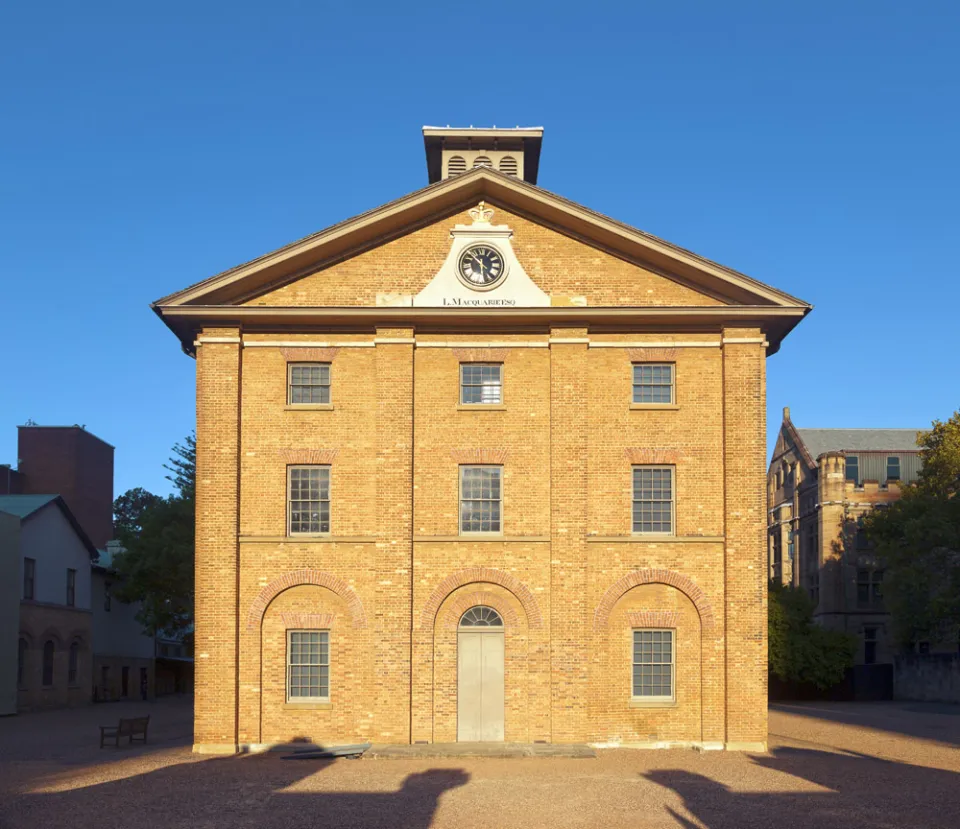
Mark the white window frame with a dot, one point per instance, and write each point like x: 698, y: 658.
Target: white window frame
x: 634, y: 697
x: 329, y: 499
x: 899, y: 468
x: 288, y: 664
x: 673, y: 499
x: 461, y: 499
x: 498, y: 366
x: 328, y: 385
x: 634, y: 385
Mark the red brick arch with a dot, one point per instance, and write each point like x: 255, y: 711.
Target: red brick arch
x: 478, y: 575
x: 297, y: 577
x: 466, y: 600
x: 654, y: 576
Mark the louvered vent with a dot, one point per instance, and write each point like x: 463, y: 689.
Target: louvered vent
x: 482, y: 161
x: 456, y: 165
x: 508, y: 165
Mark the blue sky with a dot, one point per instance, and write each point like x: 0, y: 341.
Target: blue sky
x: 145, y: 147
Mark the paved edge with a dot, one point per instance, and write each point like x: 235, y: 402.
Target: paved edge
x: 494, y: 750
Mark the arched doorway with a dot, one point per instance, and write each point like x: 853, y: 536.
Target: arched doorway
x: 480, y: 645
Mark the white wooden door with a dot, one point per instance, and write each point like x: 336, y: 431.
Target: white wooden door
x: 480, y: 686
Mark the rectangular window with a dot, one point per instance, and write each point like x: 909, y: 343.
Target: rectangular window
x: 893, y: 468
x: 308, y: 383
x: 653, y: 383
x: 869, y: 646
x: 853, y: 469
x: 653, y: 665
x: 869, y: 588
x: 29, y: 577
x: 481, y: 498
x: 71, y: 588
x: 308, y: 499
x: 481, y: 383
x: 308, y: 665
x: 653, y: 499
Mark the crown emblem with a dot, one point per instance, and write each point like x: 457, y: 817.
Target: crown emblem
x: 481, y: 214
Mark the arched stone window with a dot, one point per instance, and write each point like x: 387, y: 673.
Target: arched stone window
x: 508, y: 165
x: 482, y: 161
x: 481, y: 617
x: 72, y: 663
x: 48, y: 650
x: 456, y: 165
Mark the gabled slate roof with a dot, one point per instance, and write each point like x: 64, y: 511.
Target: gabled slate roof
x: 26, y: 507
x: 23, y: 506
x: 818, y: 441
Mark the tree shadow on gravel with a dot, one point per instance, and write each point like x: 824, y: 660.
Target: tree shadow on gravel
x: 865, y: 793
x: 935, y: 721
x: 258, y: 791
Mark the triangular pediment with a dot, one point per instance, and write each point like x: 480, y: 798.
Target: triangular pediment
x: 448, y: 198
x: 573, y: 257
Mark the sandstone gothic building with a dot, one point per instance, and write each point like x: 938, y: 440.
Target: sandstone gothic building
x: 481, y: 464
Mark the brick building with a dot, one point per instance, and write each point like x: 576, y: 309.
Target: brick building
x: 480, y: 464
x: 820, y: 483
x: 71, y: 462
x: 64, y: 640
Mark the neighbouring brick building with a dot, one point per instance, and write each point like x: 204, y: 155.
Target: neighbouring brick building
x: 480, y: 464
x: 820, y: 483
x: 64, y: 639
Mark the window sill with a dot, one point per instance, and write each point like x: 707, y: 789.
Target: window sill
x: 667, y: 407
x: 642, y: 703
x: 307, y: 706
x: 308, y: 407
x: 481, y: 407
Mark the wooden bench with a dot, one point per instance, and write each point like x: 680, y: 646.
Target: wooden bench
x: 133, y: 728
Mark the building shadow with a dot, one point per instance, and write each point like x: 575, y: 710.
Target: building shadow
x: 935, y: 721
x: 864, y: 793
x: 254, y: 790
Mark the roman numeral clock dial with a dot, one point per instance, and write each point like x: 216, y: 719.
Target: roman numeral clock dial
x: 481, y: 267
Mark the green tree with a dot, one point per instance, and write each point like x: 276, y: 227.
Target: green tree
x: 917, y: 539
x: 129, y: 508
x: 156, y: 566
x: 799, y: 650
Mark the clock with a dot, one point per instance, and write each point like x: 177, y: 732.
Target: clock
x: 481, y: 267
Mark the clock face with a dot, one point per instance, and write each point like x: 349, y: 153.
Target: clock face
x: 481, y: 266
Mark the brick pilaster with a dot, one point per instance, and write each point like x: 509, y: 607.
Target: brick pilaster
x: 744, y: 413
x: 217, y: 551
x: 394, y: 534
x: 568, y: 519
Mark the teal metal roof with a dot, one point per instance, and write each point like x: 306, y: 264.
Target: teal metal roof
x: 24, y: 506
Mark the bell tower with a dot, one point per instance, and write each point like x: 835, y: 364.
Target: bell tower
x: 513, y: 151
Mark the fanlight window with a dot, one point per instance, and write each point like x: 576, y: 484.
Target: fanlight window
x: 482, y: 161
x: 481, y: 617
x: 456, y: 165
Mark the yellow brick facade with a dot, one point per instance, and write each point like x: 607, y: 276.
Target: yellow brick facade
x: 567, y: 575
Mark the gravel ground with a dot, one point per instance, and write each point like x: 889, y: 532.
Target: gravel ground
x: 850, y: 766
